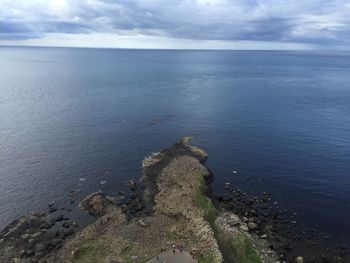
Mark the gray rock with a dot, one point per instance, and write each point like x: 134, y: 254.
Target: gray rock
x: 252, y: 226
x: 97, y: 204
x: 52, y: 209
x: 299, y: 259
x: 46, y: 225
x: 68, y: 232
x: 133, y: 185
x: 244, y: 228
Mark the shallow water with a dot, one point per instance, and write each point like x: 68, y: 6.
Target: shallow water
x: 79, y: 119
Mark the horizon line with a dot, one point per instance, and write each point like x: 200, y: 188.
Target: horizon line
x: 170, y: 49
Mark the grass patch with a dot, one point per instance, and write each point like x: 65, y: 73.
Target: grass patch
x: 206, y: 259
x: 126, y: 254
x: 92, y: 254
x: 243, y: 249
x: 204, y: 203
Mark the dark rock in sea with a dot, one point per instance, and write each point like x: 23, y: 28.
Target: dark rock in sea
x: 155, y: 121
x: 68, y: 232
x: 30, y: 237
x: 66, y: 225
x: 133, y: 185
x: 52, y: 209
x: 56, y: 218
x: 72, y: 196
x: 56, y: 241
x: 47, y: 225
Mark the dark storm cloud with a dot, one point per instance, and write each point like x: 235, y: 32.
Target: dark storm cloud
x: 312, y: 21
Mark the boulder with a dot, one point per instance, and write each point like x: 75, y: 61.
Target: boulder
x: 97, y: 204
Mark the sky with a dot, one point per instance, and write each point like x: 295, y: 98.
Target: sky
x: 179, y: 24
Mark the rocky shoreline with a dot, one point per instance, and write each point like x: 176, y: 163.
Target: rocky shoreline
x: 171, y: 209
x: 283, y: 233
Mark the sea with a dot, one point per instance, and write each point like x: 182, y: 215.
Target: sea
x: 75, y: 119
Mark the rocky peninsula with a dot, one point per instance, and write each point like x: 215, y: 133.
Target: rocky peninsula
x: 171, y: 216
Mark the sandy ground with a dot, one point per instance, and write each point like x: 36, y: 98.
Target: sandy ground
x: 170, y: 257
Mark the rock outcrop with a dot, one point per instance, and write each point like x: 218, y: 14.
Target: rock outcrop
x: 97, y: 204
x: 180, y: 218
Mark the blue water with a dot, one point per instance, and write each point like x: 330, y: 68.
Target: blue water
x: 282, y: 118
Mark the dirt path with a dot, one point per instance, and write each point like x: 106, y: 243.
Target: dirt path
x: 170, y: 257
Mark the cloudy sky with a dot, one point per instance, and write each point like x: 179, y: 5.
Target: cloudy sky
x: 213, y: 24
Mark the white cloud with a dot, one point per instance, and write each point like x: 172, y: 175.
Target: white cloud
x: 312, y: 22
x: 107, y: 40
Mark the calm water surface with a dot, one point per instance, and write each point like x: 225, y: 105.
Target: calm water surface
x: 73, y: 118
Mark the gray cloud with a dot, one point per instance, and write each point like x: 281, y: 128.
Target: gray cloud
x: 308, y: 21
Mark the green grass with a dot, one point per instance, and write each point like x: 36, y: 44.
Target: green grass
x: 92, y: 254
x: 126, y: 254
x: 242, y: 248
x: 206, y: 259
x: 99, y: 251
x: 204, y: 203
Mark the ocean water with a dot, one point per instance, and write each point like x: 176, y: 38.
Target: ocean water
x: 80, y: 119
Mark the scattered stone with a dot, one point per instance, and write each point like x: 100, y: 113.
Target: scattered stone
x: 155, y: 121
x: 142, y: 223
x: 252, y: 226
x: 133, y: 185
x: 56, y: 218
x: 299, y: 259
x: 25, y: 236
x: 36, y: 234
x: 46, y: 225
x: 67, y: 232
x: 244, y: 228
x: 66, y: 225
x: 72, y: 196
x: 52, y: 209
